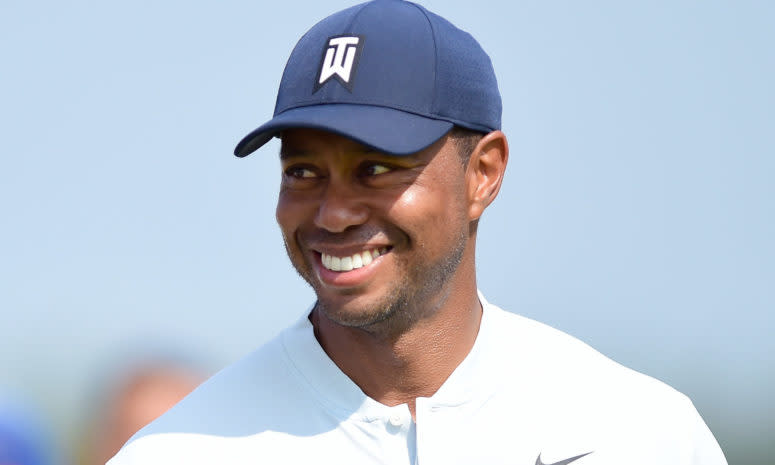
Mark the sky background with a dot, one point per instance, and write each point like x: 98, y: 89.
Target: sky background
x: 637, y: 212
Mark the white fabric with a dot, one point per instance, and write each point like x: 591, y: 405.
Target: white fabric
x: 524, y: 389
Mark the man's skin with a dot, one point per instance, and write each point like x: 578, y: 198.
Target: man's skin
x: 399, y: 326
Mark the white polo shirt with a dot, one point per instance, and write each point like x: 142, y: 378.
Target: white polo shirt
x: 526, y: 394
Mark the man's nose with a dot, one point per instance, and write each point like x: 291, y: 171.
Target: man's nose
x: 340, y: 207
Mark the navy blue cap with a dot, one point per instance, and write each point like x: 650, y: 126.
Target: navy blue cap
x: 388, y: 74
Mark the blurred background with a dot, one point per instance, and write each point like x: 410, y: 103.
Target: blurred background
x: 637, y: 212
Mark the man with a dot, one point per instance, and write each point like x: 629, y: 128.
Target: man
x: 389, y: 118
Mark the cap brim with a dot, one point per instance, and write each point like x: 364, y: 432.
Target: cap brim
x: 390, y: 131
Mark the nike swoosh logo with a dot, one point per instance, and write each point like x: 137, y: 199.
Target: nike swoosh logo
x: 561, y: 462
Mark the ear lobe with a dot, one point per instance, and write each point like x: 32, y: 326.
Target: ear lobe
x: 485, y: 171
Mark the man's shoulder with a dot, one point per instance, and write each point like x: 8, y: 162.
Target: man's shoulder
x: 235, y: 402
x: 567, y: 389
x: 556, y: 362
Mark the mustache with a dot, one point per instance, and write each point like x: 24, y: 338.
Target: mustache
x: 352, y: 235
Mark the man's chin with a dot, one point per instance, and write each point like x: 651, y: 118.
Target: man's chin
x: 356, y: 311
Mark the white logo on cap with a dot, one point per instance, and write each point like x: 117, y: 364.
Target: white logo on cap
x: 339, y: 60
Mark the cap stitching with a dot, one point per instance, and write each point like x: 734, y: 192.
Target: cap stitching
x: 424, y: 12
x: 355, y: 16
x: 363, y: 103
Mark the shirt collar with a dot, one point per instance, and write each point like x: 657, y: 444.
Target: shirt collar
x: 471, y: 382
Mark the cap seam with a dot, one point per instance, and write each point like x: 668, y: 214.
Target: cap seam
x: 355, y: 16
x: 366, y: 104
x: 435, y: 54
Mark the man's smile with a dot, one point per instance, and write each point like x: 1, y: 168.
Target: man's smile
x: 351, y: 262
x: 348, y: 268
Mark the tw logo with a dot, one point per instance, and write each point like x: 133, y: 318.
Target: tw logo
x: 340, y: 58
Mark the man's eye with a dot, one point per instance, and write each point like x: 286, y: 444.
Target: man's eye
x: 299, y: 172
x: 375, y: 169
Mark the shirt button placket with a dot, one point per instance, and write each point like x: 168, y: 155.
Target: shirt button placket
x: 395, y: 435
x: 432, y: 446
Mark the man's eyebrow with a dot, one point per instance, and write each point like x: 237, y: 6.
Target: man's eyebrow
x: 286, y: 153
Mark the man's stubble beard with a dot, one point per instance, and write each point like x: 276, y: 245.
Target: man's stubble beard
x: 418, y: 295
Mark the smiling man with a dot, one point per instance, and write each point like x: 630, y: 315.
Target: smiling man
x: 389, y: 118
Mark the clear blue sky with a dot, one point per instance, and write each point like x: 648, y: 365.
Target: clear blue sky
x: 637, y: 212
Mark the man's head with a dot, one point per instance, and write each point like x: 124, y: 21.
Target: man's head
x: 389, y: 118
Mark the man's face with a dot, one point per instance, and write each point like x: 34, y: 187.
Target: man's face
x: 378, y: 237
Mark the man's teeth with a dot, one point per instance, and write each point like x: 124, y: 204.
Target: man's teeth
x: 351, y: 262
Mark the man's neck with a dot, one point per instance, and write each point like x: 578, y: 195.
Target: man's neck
x: 396, y: 369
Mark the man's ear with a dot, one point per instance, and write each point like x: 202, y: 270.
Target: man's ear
x: 484, y: 173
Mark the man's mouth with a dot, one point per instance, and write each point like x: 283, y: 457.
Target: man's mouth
x: 351, y: 262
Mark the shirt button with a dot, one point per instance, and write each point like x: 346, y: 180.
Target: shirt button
x: 396, y: 420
